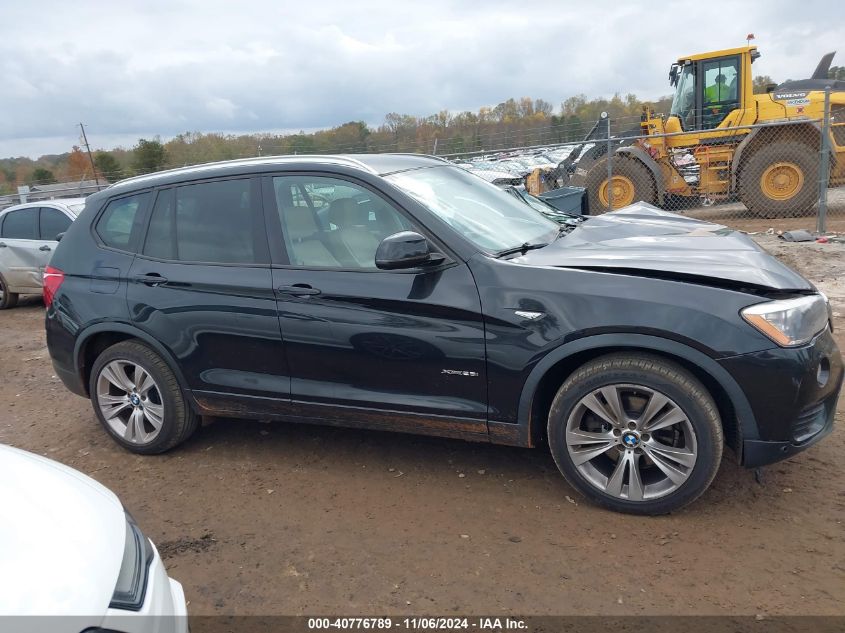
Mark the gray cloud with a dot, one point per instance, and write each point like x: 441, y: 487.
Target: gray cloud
x: 128, y: 70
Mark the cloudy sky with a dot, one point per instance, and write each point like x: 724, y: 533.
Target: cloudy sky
x: 130, y: 69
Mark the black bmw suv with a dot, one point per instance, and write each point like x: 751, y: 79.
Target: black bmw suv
x: 400, y: 292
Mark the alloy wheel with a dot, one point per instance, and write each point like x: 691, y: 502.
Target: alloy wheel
x: 130, y: 401
x: 631, y: 442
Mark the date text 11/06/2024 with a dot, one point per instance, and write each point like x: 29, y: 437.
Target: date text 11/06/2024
x: 422, y: 623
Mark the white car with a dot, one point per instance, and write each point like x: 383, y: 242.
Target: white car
x: 68, y: 548
x: 29, y: 234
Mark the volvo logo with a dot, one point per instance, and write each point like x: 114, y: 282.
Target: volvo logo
x: 630, y: 440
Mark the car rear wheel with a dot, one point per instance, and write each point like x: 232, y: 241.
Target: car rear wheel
x: 636, y: 433
x: 138, y: 400
x: 7, y: 299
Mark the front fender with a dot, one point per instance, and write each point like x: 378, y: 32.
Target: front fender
x: 638, y: 342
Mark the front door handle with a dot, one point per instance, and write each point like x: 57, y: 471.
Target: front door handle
x: 2, y: 244
x: 299, y: 290
x: 45, y: 248
x: 151, y: 279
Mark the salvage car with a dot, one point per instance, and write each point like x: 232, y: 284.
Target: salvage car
x: 29, y: 234
x: 633, y: 346
x: 72, y: 555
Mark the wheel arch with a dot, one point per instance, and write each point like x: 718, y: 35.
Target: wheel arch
x: 97, y: 338
x: 539, y: 389
x: 760, y: 136
x: 640, y: 155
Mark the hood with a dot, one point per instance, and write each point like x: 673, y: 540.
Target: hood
x: 643, y: 238
x: 61, y: 539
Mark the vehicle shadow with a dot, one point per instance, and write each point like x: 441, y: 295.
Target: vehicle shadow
x: 339, y: 451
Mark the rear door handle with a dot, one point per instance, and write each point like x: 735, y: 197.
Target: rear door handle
x: 151, y: 279
x: 2, y: 244
x: 299, y: 290
x: 45, y: 248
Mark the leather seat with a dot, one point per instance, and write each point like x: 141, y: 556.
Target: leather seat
x: 352, y: 242
x: 302, y: 234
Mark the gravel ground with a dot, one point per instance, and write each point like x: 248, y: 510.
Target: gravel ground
x: 258, y: 518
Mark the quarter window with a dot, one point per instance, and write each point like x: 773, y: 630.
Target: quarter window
x: 21, y: 224
x: 52, y: 223
x: 210, y: 222
x: 115, y: 225
x: 333, y: 223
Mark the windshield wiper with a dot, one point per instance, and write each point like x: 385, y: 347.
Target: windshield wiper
x: 522, y: 249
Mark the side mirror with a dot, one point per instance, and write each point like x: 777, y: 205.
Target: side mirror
x: 405, y: 250
x: 60, y: 236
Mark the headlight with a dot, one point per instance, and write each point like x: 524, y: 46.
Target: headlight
x: 789, y: 322
x: 132, y: 579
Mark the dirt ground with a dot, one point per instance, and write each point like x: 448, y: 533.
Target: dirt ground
x: 257, y: 518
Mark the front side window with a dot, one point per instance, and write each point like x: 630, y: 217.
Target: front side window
x: 720, y: 90
x: 332, y: 223
x: 488, y: 217
x: 21, y: 225
x: 210, y: 222
x: 115, y: 225
x: 52, y: 223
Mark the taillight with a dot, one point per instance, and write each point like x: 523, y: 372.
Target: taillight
x: 53, y: 278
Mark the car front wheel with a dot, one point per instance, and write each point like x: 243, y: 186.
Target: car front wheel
x: 636, y: 433
x: 138, y: 400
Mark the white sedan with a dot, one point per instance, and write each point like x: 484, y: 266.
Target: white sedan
x: 29, y: 233
x: 68, y: 548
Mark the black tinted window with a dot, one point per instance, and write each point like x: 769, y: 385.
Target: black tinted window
x: 115, y: 225
x: 161, y: 235
x: 53, y: 222
x: 21, y: 225
x: 209, y: 222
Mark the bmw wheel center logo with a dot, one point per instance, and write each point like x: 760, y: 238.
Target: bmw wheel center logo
x: 630, y: 440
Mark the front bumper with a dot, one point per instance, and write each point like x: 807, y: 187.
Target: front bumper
x: 164, y: 609
x: 792, y: 394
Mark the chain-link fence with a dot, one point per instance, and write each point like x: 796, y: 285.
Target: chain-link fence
x: 789, y: 174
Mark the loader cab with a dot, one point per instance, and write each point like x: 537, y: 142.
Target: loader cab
x: 707, y: 89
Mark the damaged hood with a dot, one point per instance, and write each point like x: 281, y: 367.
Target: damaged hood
x: 641, y: 237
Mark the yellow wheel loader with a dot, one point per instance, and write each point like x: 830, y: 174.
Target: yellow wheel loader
x: 703, y: 151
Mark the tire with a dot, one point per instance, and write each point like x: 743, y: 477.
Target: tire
x: 114, y: 378
x: 634, y: 178
x: 640, y: 380
x: 7, y: 299
x: 795, y: 165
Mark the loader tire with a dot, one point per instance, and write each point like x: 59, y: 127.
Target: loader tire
x: 632, y: 182
x: 780, y: 180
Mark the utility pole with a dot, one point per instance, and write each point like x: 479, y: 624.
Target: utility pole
x: 90, y: 157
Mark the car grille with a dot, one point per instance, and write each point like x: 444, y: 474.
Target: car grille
x: 810, y: 421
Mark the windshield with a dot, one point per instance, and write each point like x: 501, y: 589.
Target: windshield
x: 490, y: 218
x: 683, y: 104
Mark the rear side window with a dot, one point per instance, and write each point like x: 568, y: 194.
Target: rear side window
x: 21, y: 225
x: 52, y: 223
x: 210, y: 222
x: 115, y: 224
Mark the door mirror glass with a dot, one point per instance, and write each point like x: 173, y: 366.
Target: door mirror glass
x: 406, y: 249
x: 59, y: 236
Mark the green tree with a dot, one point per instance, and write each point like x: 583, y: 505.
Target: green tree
x: 148, y: 156
x: 108, y: 166
x: 760, y: 83
x: 42, y: 176
x: 836, y: 72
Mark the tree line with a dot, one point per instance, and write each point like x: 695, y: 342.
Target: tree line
x: 512, y: 123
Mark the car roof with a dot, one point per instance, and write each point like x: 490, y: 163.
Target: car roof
x: 59, y: 202
x: 376, y: 164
